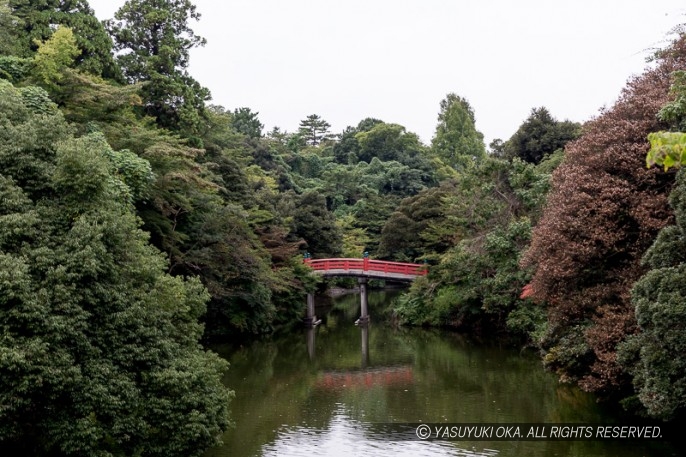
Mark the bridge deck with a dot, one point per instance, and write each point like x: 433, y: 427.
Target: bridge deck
x: 367, y: 274
x: 366, y: 268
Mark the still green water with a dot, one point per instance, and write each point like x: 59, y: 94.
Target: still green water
x: 321, y: 391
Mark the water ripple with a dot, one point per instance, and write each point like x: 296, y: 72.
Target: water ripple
x: 346, y: 437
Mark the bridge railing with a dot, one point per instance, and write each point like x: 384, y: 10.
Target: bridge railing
x: 366, y: 264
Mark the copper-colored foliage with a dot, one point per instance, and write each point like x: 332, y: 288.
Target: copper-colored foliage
x: 604, y: 210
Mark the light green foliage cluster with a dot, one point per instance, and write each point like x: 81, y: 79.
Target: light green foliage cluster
x: 129, y: 175
x: 30, y: 128
x: 667, y: 147
x: 133, y: 171
x: 37, y: 100
x: 54, y: 55
x: 531, y: 184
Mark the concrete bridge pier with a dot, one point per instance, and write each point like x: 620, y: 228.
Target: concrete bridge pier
x: 311, y: 319
x: 364, y: 313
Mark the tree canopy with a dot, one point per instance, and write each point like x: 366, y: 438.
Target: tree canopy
x: 540, y: 134
x: 246, y: 122
x: 99, y: 348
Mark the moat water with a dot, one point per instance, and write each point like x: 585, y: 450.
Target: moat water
x: 324, y: 392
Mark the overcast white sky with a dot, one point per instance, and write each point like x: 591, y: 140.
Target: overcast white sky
x: 395, y: 60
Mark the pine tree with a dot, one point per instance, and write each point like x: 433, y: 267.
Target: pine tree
x: 314, y: 129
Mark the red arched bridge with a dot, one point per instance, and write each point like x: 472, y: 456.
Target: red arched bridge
x: 367, y: 268
x: 363, y: 269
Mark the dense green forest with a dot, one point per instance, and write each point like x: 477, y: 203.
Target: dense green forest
x: 138, y: 220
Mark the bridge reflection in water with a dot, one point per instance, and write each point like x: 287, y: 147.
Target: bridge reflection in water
x: 366, y: 376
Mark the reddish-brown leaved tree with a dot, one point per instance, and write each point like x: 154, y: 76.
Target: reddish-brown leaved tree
x: 604, y: 210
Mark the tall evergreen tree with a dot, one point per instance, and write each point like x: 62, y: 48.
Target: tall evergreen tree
x: 158, y: 38
x: 457, y: 141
